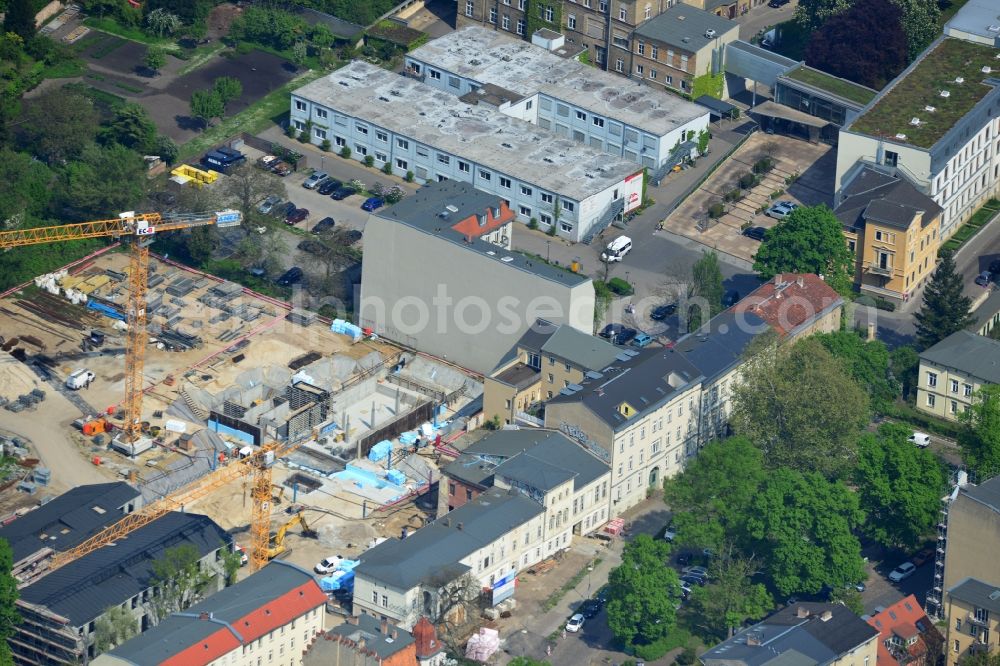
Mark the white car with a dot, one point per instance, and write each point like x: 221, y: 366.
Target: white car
x: 902, y: 572
x: 243, y: 554
x: 697, y: 571
x: 921, y: 439
x: 781, y: 209
x: 315, y: 180
x: 575, y: 623
x: 328, y: 565
x: 670, y: 533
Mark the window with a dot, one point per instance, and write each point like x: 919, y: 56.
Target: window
x: 524, y: 210
x: 300, y: 105
x: 932, y: 379
x: 321, y: 113
x: 401, y: 164
x: 566, y: 226
x: 435, y: 74
x: 470, y: 7
x: 954, y: 386
x: 528, y: 105
x: 967, y: 390
x: 930, y: 400
x: 622, y: 14
x: 619, y: 65
x: 641, y: 48
x: 549, y: 13
x: 562, y: 110
x: 647, y: 13
x: 361, y: 128
x: 493, y: 14
x: 454, y: 82
x: 599, y: 122
x: 385, y: 601
x: 340, y: 141
x: 571, y: 21
x: 639, y: 69
x: 670, y: 80
x: 526, y: 191
x: 443, y: 159
x: 520, y: 26
x: 891, y: 158
x: 485, y: 175
x: 463, y: 166
x: 954, y: 407
x: 505, y: 22
x: 451, y: 488
x: 654, y: 51
x: 403, y: 143
x: 360, y: 150
x: 568, y: 206
x: 547, y: 198
x: 468, y: 494
x: 580, y: 115
x: 620, y: 42
x: 545, y: 218
x: 505, y: 182
x: 320, y: 133
x: 652, y: 74
x: 374, y: 596
x: 603, y: 5
x: 520, y: 4
x: 382, y: 136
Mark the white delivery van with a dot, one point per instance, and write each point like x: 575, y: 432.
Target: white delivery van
x: 79, y: 379
x: 617, y: 249
x: 921, y: 439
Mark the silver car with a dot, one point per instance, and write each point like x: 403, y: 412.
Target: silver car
x: 781, y: 209
x: 315, y: 180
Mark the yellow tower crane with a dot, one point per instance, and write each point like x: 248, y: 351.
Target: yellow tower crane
x: 141, y: 229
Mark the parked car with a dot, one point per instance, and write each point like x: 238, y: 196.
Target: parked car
x: 315, y: 180
x: 258, y: 272
x: 661, y: 312
x: 287, y: 209
x: 691, y: 579
x: 268, y: 204
x: 352, y: 237
x: 611, y: 330
x: 281, y: 168
x: 781, y: 209
x: 670, y: 533
x: 590, y: 608
x: 325, y: 224
x: 328, y: 564
x: 617, y: 249
x: 774, y: 4
x: 372, y: 203
x: 291, y: 276
x: 341, y: 193
x: 685, y: 589
x: 328, y: 186
x: 902, y: 572
x: 684, y: 559
x: 756, y: 233
x: 244, y: 559
x: 923, y: 556
x: 641, y: 340
x: 625, y: 336
x: 696, y: 570
x: 983, y: 279
x: 921, y: 439
x: 575, y: 623
x: 267, y: 162
x: 731, y: 298
x: 296, y: 216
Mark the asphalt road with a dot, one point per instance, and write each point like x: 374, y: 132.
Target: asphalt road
x: 764, y: 18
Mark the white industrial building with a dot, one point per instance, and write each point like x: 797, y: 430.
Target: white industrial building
x: 417, y: 128
x: 591, y: 106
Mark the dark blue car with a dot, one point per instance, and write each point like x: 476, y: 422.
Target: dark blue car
x: 372, y: 203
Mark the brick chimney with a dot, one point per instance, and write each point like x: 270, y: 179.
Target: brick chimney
x: 826, y: 616
x: 802, y: 612
x: 384, y: 627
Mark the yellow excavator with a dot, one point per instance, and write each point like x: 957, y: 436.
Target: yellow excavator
x: 277, y: 544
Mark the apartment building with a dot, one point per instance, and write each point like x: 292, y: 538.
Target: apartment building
x: 893, y: 230
x: 680, y: 45
x: 937, y: 124
x: 973, y: 617
x: 479, y: 546
x: 417, y: 128
x: 439, y: 276
x: 60, y: 611
x: 270, y: 617
x: 953, y: 370
x: 545, y: 360
x: 366, y: 641
x: 907, y: 637
x: 795, y: 305
x: 802, y: 633
x: 640, y: 124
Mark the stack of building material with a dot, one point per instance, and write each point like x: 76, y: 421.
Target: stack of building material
x: 227, y: 289
x: 301, y: 317
x: 182, y: 286
x: 154, y: 280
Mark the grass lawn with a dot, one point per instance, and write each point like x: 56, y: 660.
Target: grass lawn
x: 134, y: 34
x: 200, y: 56
x: 846, y: 89
x: 972, y: 226
x: 255, y: 118
x: 64, y: 70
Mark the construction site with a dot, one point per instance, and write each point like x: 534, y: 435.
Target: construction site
x: 226, y: 371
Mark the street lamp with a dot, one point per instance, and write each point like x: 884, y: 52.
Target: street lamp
x: 548, y: 244
x: 322, y: 162
x: 626, y: 278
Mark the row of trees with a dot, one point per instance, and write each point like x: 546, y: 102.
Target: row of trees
x: 209, y: 104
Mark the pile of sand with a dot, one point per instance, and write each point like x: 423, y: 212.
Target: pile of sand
x: 15, y: 378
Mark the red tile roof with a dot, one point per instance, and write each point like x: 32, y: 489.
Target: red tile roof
x: 470, y: 227
x: 789, y: 301
x: 904, y: 619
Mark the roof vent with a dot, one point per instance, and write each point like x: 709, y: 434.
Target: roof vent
x: 685, y: 39
x: 995, y: 594
x: 915, y: 121
x: 710, y: 33
x: 930, y: 109
x: 901, y: 136
x: 986, y: 69
x: 944, y: 93
x: 451, y: 208
x: 959, y: 79
x: 826, y: 616
x: 681, y: 17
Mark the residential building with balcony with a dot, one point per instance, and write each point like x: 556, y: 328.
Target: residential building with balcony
x: 365, y: 641
x: 893, y: 230
x: 802, y: 633
x: 439, y: 276
x: 907, y: 637
x: 590, y: 107
x: 680, y: 45
x: 938, y: 124
x: 545, y: 360
x: 973, y: 617
x: 417, y: 128
x: 953, y: 370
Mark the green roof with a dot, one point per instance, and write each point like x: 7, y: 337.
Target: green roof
x: 841, y: 87
x: 921, y: 87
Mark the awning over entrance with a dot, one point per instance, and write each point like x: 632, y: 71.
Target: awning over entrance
x: 718, y: 108
x: 774, y: 110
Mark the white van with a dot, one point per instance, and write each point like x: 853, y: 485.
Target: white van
x: 80, y: 379
x: 921, y: 439
x: 617, y: 249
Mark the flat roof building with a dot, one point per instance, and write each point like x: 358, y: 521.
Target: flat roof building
x: 439, y: 276
x: 417, y: 128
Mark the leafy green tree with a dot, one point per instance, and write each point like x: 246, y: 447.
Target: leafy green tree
x: 899, y: 487
x: 246, y: 186
x: 59, y: 124
x: 19, y: 19
x: 189, y: 11
x: 155, y: 58
x: 232, y: 560
x: 705, y: 291
x: 201, y: 243
x: 180, y: 579
x: 643, y: 592
x: 850, y: 597
x: 206, y: 105
x: 980, y: 435
x: 26, y: 190
x: 104, y: 180
x: 162, y: 22
x: 802, y: 527
x: 9, y: 618
x: 945, y: 308
x: 527, y: 661
x: 131, y: 127
x: 227, y: 88
x: 269, y: 26
x: 905, y: 364
x: 801, y: 407
x: 165, y: 147
x: 811, y: 14
x: 300, y: 51
x: 113, y: 628
x: 867, y: 362
x: 809, y: 240
x: 920, y: 23
x: 731, y: 598
x: 321, y: 36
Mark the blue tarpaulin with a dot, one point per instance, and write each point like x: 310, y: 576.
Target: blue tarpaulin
x: 380, y: 451
x: 396, y: 477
